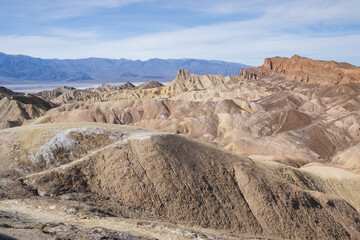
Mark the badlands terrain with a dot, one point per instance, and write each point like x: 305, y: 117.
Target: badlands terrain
x: 272, y: 153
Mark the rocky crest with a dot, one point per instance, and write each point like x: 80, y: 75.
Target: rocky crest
x: 305, y: 70
x: 51, y: 94
x: 4, y: 92
x: 150, y: 84
x: 16, y: 108
x: 108, y: 87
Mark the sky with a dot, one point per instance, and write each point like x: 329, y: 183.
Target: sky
x: 244, y: 31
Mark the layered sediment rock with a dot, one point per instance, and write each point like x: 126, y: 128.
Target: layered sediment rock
x: 220, y: 190
x: 305, y: 70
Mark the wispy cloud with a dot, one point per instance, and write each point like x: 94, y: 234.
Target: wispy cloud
x: 62, y: 9
x: 69, y: 8
x: 345, y: 9
x: 108, y: 3
x: 45, y: 4
x: 223, y: 45
x: 66, y: 33
x: 316, y: 28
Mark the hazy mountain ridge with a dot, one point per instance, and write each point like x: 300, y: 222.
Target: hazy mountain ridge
x: 26, y: 69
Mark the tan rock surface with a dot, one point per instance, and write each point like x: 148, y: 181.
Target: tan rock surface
x: 17, y: 108
x: 108, y: 87
x: 305, y: 70
x: 150, y: 84
x: 295, y: 127
x: 219, y: 189
x: 50, y: 94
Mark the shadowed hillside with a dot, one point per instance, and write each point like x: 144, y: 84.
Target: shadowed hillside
x: 121, y: 165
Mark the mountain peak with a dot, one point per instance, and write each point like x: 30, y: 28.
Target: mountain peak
x: 24, y: 69
x: 150, y: 84
x: 5, y: 91
x: 183, y: 74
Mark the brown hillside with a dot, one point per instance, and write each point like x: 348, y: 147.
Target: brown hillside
x: 16, y: 108
x: 121, y: 165
x: 295, y: 126
x: 150, y: 84
x: 305, y: 70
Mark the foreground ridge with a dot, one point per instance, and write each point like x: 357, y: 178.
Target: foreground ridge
x: 222, y: 190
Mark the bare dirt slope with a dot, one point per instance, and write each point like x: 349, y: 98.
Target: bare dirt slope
x: 16, y: 108
x: 120, y: 166
x: 51, y: 94
x: 289, y: 121
x: 150, y: 84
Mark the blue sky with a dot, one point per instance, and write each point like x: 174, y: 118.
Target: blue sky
x: 230, y: 30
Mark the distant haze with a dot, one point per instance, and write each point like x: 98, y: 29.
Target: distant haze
x: 16, y: 70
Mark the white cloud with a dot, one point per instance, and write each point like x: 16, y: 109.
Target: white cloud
x: 62, y: 9
x: 315, y: 9
x: 45, y: 4
x: 72, y: 33
x: 216, y: 42
x: 109, y: 3
x: 281, y: 29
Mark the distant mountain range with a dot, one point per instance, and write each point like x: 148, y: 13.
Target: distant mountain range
x: 20, y: 69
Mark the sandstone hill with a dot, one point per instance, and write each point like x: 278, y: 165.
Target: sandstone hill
x: 16, y: 108
x: 69, y: 92
x: 111, y: 165
x: 305, y: 70
x: 51, y: 94
x: 285, y: 120
x: 108, y: 87
x: 150, y: 84
x: 184, y: 86
x: 270, y: 153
